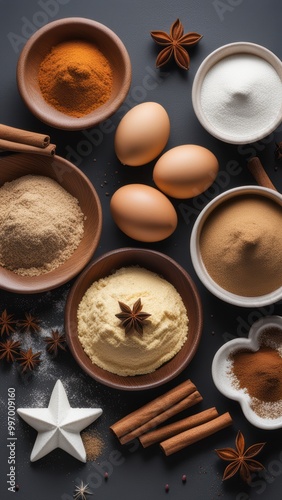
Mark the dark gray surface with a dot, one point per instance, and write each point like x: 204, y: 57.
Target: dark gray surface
x: 135, y: 473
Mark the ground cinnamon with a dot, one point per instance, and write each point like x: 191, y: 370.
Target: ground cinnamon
x: 75, y: 78
x: 259, y: 372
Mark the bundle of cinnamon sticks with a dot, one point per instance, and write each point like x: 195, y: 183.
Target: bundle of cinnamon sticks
x: 173, y: 437
x: 24, y: 141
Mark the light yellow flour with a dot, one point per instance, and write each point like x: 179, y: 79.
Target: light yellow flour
x: 102, y: 336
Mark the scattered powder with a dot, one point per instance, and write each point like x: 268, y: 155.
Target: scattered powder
x: 93, y: 444
x: 241, y: 94
x: 41, y: 225
x: 241, y: 245
x: 104, y: 339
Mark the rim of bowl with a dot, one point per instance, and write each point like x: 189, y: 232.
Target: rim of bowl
x: 53, y: 117
x: 138, y: 382
x: 213, y: 58
x: 203, y: 275
x: 218, y: 370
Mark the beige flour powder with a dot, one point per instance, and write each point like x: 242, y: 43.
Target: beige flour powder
x: 104, y: 339
x: 41, y: 225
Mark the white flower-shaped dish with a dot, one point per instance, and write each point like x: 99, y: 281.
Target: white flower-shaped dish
x: 221, y: 371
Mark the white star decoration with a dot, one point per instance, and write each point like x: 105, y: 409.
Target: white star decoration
x: 59, y: 425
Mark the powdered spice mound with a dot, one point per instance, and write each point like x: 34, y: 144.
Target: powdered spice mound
x: 259, y: 373
x: 75, y: 78
x: 41, y: 225
x: 103, y: 337
x: 241, y: 245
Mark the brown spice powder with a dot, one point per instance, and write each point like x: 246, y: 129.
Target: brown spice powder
x: 241, y: 245
x: 75, y: 78
x: 93, y: 444
x: 41, y: 225
x: 260, y: 373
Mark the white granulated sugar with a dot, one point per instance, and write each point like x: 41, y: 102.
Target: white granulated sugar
x: 241, y: 95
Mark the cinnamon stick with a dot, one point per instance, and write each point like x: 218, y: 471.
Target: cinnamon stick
x: 26, y: 148
x: 24, y: 136
x: 180, y: 441
x: 185, y: 403
x: 256, y: 168
x: 153, y: 408
x: 170, y: 430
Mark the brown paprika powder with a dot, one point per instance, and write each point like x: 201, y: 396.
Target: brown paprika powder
x: 75, y: 78
x: 260, y: 374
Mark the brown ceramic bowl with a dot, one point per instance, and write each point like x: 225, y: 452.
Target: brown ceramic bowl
x: 78, y: 185
x: 40, y: 44
x: 172, y: 272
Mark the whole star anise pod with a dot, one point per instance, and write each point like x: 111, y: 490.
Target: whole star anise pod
x: 29, y: 324
x: 55, y: 342
x: 132, y: 319
x: 6, y: 323
x: 278, y: 150
x: 174, y: 43
x: 241, y: 459
x: 9, y: 350
x: 28, y: 360
x: 81, y: 491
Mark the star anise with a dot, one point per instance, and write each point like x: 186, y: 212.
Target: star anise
x: 81, y: 491
x: 29, y: 324
x: 278, y: 151
x: 241, y: 459
x: 174, y: 43
x: 55, y: 342
x: 6, y: 323
x: 132, y: 319
x: 9, y: 350
x: 28, y: 360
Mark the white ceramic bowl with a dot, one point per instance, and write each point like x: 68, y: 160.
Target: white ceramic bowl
x: 223, y: 381
x: 197, y: 260
x: 217, y: 55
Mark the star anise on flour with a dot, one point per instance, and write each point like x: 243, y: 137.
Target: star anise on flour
x: 29, y: 324
x: 132, y: 319
x: 6, y: 323
x: 240, y: 459
x: 28, y: 360
x: 174, y: 43
x: 55, y: 341
x: 9, y: 350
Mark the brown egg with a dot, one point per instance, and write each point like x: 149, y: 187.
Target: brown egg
x: 185, y: 171
x: 143, y: 213
x: 142, y: 134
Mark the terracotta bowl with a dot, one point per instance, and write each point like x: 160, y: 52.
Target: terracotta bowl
x: 172, y: 272
x: 78, y: 185
x: 40, y: 44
